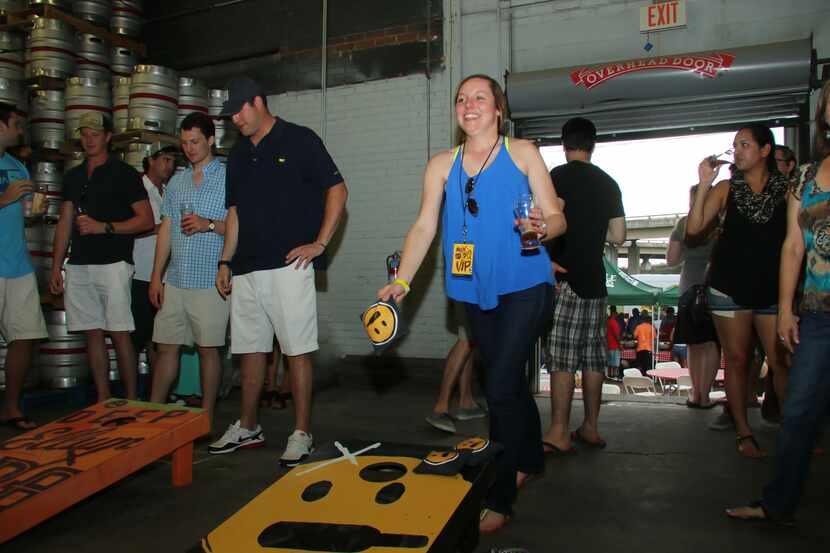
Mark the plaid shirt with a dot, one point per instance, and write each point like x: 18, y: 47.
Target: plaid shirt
x: 193, y: 260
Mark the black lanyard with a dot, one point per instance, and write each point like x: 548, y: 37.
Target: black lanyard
x: 474, y: 181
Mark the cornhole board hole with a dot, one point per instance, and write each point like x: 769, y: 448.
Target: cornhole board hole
x: 50, y: 468
x: 360, y: 497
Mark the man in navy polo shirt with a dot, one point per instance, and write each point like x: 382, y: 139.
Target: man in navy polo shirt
x: 285, y: 197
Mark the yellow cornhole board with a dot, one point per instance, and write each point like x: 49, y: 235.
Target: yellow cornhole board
x: 50, y: 468
x: 360, y: 496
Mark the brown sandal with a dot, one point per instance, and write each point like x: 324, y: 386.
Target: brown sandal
x: 742, y: 447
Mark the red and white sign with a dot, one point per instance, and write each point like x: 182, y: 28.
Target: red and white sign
x: 706, y: 65
x: 662, y: 16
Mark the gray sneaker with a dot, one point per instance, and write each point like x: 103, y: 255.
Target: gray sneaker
x: 469, y: 413
x: 724, y: 421
x: 441, y: 421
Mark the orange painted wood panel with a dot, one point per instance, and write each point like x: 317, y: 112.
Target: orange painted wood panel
x: 50, y: 468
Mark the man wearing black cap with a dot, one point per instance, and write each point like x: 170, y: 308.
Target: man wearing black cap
x: 285, y: 197
x: 104, y: 207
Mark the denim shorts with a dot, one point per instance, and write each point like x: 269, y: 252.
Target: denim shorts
x: 722, y: 305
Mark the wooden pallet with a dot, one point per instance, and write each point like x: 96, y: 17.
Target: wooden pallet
x: 20, y: 19
x: 50, y: 468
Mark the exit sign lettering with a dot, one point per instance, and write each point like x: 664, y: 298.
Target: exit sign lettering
x: 662, y: 16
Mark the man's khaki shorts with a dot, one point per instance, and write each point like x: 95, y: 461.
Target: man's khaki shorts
x: 279, y: 301
x: 191, y: 315
x: 20, y: 315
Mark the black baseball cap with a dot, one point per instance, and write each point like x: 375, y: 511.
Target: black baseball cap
x: 240, y: 90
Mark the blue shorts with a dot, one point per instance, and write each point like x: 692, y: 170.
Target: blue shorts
x: 613, y: 358
x: 722, y: 305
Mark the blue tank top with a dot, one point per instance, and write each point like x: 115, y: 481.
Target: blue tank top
x: 498, y: 264
x: 814, y: 219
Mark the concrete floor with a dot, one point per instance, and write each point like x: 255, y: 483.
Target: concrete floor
x: 661, y: 485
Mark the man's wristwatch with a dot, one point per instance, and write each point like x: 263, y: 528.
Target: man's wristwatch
x: 108, y: 228
x: 223, y: 262
x: 211, y: 225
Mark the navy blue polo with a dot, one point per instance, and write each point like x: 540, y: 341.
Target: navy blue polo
x: 278, y: 189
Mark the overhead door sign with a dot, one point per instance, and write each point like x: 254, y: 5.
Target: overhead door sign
x: 706, y: 65
x: 662, y: 16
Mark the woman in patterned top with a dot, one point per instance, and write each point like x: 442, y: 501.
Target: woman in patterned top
x: 808, y: 335
x: 743, y: 272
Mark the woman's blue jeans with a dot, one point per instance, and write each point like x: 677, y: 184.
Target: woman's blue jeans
x: 808, y: 396
x: 504, y: 337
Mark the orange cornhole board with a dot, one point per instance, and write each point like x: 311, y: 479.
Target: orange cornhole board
x: 50, y: 468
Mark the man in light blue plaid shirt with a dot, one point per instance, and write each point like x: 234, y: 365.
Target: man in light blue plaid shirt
x: 191, y: 237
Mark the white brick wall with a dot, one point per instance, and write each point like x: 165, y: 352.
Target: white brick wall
x: 376, y: 133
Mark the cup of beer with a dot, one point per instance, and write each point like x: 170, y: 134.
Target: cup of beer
x: 521, y: 209
x: 38, y: 203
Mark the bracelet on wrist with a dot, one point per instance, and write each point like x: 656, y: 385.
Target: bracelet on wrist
x: 321, y: 244
x: 404, y: 284
x: 223, y: 262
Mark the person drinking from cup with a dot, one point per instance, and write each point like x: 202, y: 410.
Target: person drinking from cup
x: 21, y: 320
x: 104, y: 207
x: 805, y: 332
x: 506, y: 291
x: 578, y: 338
x: 743, y: 271
x: 191, y: 238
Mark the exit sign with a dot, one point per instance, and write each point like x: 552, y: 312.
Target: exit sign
x: 662, y: 16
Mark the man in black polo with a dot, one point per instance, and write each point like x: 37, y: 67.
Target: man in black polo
x: 285, y: 197
x: 104, y: 206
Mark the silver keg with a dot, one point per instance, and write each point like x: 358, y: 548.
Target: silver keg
x: 9, y: 6
x: 193, y: 96
x: 50, y: 49
x: 48, y: 178
x: 40, y: 238
x: 127, y: 17
x: 122, y: 61
x: 93, y: 57
x: 11, y: 92
x: 135, y: 154
x: 226, y: 132
x: 46, y: 121
x: 154, y: 92
x: 72, y: 160
x: 96, y: 11
x: 62, y: 4
x: 63, y: 360
x: 120, y: 103
x: 11, y: 55
x: 82, y: 96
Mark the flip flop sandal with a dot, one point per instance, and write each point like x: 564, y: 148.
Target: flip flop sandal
x: 550, y: 450
x: 762, y: 515
x: 577, y: 436
x: 20, y: 423
x: 741, y: 441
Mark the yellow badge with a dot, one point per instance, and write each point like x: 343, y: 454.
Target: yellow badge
x: 462, y: 259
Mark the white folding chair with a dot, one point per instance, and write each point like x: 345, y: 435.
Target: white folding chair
x: 634, y: 383
x: 684, y: 384
x: 632, y: 372
x: 611, y: 390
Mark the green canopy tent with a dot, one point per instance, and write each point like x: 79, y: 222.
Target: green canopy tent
x: 623, y: 289
x: 669, y: 296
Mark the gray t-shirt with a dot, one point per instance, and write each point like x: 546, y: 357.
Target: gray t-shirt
x: 694, y: 260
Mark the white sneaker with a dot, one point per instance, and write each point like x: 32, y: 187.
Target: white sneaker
x: 300, y: 445
x: 236, y: 437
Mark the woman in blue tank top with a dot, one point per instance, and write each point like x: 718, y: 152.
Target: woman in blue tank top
x: 808, y: 388
x: 507, y: 292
